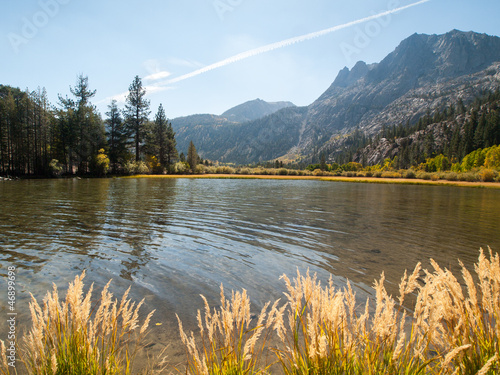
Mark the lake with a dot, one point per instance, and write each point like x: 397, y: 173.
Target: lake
x: 174, y: 239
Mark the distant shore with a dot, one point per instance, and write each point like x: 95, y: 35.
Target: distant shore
x: 375, y: 180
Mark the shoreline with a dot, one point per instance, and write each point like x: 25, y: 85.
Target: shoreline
x: 372, y: 180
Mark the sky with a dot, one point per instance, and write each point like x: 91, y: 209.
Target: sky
x: 206, y: 56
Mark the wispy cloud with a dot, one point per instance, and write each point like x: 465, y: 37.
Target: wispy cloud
x: 285, y: 43
x: 157, y: 74
x: 120, y: 98
x: 152, y: 89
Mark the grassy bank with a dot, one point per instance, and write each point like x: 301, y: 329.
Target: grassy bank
x: 451, y: 328
x: 375, y: 180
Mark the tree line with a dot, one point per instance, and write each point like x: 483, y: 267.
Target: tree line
x: 454, y: 131
x: 40, y: 139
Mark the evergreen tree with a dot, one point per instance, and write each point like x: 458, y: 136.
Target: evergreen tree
x: 460, y: 107
x: 161, y: 140
x: 136, y: 113
x: 322, y: 162
x: 479, y: 138
x: 117, y: 136
x: 81, y: 125
x: 171, y: 152
x: 467, y: 144
x: 492, y: 129
x: 192, y: 156
x: 455, y: 143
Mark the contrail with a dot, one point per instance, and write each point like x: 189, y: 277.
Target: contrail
x: 286, y: 42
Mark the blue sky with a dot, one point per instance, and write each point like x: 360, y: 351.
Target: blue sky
x: 47, y: 43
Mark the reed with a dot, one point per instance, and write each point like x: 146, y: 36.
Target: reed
x: 229, y: 341
x: 318, y: 329
x: 71, y: 336
x: 451, y: 331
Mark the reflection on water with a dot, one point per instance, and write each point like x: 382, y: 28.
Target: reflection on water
x: 175, y: 239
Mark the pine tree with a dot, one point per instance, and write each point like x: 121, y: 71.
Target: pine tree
x: 171, y: 152
x: 117, y: 136
x: 161, y: 140
x: 455, y: 143
x: 136, y: 114
x: 192, y: 156
x: 479, y: 138
x: 81, y: 124
x: 322, y: 162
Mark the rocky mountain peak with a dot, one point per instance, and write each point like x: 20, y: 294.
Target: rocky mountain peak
x: 254, y: 109
x: 348, y: 77
x: 423, y: 73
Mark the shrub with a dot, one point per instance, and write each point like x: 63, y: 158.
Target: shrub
x: 410, y: 174
x: 423, y: 176
x: 200, y: 169
x: 181, y: 167
x: 451, y: 176
x: 434, y: 177
x: 487, y: 175
x: 55, y: 168
x: 154, y: 165
x: 100, y: 163
x: 224, y: 170
x: 469, y: 177
x: 352, y: 167
x: 283, y: 172
x: 312, y: 167
x: 132, y: 167
x: 377, y: 174
x: 244, y: 171
x: 389, y: 174
x: 211, y: 169
x: 368, y: 174
x: 318, y: 172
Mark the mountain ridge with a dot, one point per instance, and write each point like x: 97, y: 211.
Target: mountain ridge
x: 423, y: 73
x: 254, y: 109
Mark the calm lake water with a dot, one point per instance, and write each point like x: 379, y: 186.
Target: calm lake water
x: 174, y: 239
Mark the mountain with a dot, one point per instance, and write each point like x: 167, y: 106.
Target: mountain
x: 209, y: 132
x: 425, y: 73
x: 253, y: 110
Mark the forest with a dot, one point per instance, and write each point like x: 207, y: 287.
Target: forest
x: 454, y: 132
x: 71, y: 137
